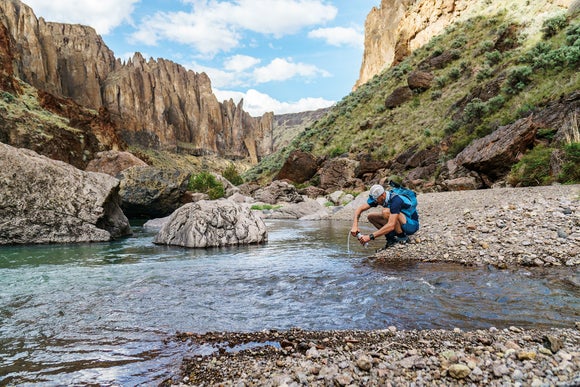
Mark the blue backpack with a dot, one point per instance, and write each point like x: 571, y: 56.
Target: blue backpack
x: 408, y: 196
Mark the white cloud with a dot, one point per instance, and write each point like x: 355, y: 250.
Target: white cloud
x: 339, y: 36
x: 257, y: 103
x: 282, y: 69
x: 216, y: 26
x: 102, y: 15
x: 240, y: 71
x: 239, y: 63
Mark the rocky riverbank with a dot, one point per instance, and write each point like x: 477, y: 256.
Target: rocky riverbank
x: 503, y: 227
x: 500, y: 227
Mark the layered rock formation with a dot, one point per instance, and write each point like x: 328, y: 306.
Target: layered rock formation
x: 397, y: 27
x: 153, y: 103
x: 48, y: 201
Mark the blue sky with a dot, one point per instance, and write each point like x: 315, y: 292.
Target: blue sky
x: 279, y: 55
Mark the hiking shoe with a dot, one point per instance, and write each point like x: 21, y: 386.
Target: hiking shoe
x: 390, y: 242
x: 402, y: 239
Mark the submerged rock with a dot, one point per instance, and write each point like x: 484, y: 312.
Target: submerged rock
x: 48, y: 201
x: 212, y: 224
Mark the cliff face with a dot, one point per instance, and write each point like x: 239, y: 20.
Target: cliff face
x: 398, y: 27
x: 154, y: 103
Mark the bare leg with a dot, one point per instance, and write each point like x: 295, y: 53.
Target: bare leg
x: 379, y: 219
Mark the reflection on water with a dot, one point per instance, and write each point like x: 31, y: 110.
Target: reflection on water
x: 99, y: 313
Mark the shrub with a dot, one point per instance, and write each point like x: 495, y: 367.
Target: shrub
x: 573, y: 35
x: 533, y: 169
x: 571, y: 167
x: 525, y: 110
x: 205, y: 182
x: 543, y: 56
x: 459, y: 42
x: 441, y: 81
x: 454, y: 73
x: 495, y: 103
x: 436, y: 95
x: 484, y: 73
x: 232, y: 175
x: 336, y: 151
x: 402, y: 69
x: 306, y: 147
x: 492, y: 58
x: 518, y: 79
x: 452, y: 127
x: 485, y: 46
x: 475, y: 110
x: 7, y: 97
x: 552, y: 26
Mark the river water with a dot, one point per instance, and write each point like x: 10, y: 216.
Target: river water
x: 102, y: 313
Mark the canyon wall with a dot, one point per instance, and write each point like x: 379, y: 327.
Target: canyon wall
x: 397, y: 27
x: 154, y: 103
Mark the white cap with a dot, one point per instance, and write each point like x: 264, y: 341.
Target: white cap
x: 376, y: 191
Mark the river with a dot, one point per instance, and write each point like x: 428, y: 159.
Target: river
x: 103, y: 313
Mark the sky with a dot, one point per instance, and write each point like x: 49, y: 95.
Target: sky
x: 284, y: 56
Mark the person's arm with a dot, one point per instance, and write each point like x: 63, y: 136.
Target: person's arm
x: 362, y: 208
x: 387, y: 228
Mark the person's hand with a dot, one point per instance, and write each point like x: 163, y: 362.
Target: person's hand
x: 353, y: 232
x: 364, y: 239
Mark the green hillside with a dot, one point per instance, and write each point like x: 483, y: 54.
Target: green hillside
x: 485, y: 56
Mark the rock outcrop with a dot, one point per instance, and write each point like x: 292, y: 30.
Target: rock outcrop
x: 148, y: 192
x: 114, y: 162
x: 398, y: 27
x: 48, y: 201
x: 155, y: 103
x: 212, y: 224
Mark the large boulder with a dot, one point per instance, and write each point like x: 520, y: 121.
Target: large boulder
x: 212, y: 224
x: 494, y: 154
x: 149, y: 192
x: 113, y: 162
x: 299, y: 167
x: 398, y: 97
x: 49, y: 201
x: 420, y: 80
x: 278, y: 191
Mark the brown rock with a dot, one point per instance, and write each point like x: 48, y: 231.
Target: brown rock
x: 299, y: 167
x: 337, y: 173
x: 398, y: 97
x: 420, y: 80
x: 495, y: 153
x: 442, y: 60
x: 113, y: 162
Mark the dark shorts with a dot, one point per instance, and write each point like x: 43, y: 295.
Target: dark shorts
x: 411, y: 227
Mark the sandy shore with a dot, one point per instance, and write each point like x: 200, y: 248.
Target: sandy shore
x: 501, y: 227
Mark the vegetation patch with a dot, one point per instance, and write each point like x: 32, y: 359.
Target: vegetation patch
x: 207, y: 183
